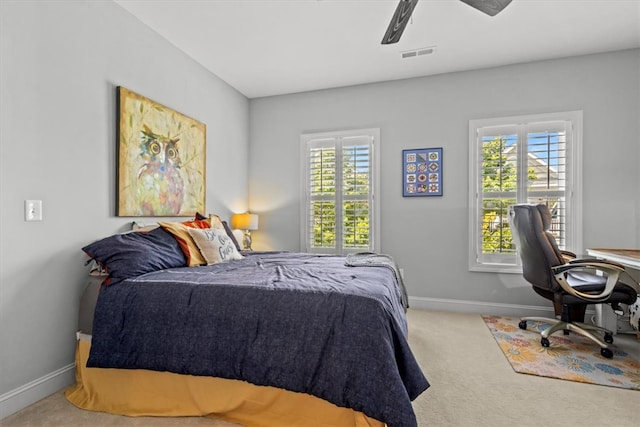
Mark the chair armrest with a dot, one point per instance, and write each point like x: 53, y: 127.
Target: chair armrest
x: 568, y: 255
x: 598, y: 260
x: 612, y: 271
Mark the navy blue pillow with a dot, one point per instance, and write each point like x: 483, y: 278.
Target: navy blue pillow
x: 133, y: 254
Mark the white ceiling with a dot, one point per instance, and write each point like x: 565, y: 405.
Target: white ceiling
x: 271, y: 47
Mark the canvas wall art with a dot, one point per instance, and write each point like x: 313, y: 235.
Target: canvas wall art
x: 161, y: 159
x: 422, y: 172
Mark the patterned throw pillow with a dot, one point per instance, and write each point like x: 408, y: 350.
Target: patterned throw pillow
x: 216, y: 222
x: 215, y: 245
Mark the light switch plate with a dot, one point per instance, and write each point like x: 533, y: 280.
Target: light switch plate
x: 33, y: 210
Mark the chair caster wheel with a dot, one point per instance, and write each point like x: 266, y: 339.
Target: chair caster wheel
x: 545, y: 342
x: 606, y: 352
x: 522, y: 324
x: 608, y: 338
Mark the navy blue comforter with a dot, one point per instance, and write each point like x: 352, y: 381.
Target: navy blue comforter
x: 302, y: 322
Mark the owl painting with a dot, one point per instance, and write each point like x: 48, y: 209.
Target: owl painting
x: 161, y: 159
x: 159, y: 186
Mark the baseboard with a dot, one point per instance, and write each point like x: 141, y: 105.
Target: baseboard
x: 28, y: 394
x: 482, y: 307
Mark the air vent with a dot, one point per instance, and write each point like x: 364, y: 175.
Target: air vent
x: 418, y: 52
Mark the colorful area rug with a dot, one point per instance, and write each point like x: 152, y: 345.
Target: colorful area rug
x: 572, y: 358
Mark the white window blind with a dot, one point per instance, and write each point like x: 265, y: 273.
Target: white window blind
x: 339, y: 208
x: 528, y: 159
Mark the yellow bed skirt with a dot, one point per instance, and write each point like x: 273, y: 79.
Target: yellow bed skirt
x: 137, y: 392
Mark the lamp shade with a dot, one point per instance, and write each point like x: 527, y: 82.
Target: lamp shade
x: 244, y: 221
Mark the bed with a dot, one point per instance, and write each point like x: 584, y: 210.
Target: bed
x: 258, y: 338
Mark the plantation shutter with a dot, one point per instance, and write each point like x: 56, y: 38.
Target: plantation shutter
x: 322, y: 179
x: 498, y: 187
x: 523, y: 162
x: 547, y: 149
x: 357, y: 197
x: 338, y: 210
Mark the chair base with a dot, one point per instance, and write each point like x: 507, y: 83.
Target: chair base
x: 577, y: 327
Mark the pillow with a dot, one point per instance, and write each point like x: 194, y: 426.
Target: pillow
x: 238, y: 235
x: 138, y: 226
x: 132, y: 254
x: 181, y: 234
x: 215, y: 246
x: 231, y: 235
x: 215, y: 219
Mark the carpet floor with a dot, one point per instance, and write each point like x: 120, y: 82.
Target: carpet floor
x: 472, y: 384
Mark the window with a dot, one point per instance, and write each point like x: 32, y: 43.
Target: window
x: 340, y: 210
x: 526, y: 159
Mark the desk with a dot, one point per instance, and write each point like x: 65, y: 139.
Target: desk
x: 627, y: 257
x: 630, y: 258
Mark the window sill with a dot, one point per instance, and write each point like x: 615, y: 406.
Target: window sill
x: 496, y: 268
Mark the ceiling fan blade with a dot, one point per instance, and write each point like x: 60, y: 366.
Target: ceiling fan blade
x: 399, y: 21
x: 490, y: 7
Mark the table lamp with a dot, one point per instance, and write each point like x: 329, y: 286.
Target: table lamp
x: 246, y: 222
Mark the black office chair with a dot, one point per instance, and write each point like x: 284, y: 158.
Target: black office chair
x: 570, y: 283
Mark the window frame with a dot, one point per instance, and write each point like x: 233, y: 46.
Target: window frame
x: 573, y: 185
x: 374, y: 190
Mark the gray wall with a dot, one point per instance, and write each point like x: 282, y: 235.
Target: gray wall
x: 61, y: 62
x: 429, y: 236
